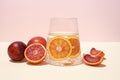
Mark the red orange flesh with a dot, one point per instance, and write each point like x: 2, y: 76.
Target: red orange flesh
x: 35, y: 53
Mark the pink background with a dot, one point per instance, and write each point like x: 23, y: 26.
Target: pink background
x: 99, y: 20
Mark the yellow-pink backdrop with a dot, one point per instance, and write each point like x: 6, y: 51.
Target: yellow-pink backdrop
x: 99, y: 20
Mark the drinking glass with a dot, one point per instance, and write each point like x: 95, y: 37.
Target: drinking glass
x: 63, y: 47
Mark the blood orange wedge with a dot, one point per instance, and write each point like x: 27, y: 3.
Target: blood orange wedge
x: 75, y: 47
x: 92, y: 60
x: 59, y: 48
x: 95, y: 52
x: 35, y: 53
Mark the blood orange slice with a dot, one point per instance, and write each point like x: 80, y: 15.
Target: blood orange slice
x: 95, y: 52
x: 92, y: 60
x: 35, y: 53
x: 59, y: 48
x: 75, y: 46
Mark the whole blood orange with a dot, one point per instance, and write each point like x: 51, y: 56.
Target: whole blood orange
x: 16, y: 50
x: 75, y: 47
x: 37, y: 39
x: 92, y: 60
x: 35, y: 53
x: 59, y: 48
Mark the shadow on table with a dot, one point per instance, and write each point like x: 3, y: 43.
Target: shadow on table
x: 24, y: 60
x: 98, y: 66
x: 39, y: 64
x: 101, y: 65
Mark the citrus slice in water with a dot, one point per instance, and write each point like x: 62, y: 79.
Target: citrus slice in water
x: 35, y: 53
x: 75, y: 46
x: 59, y: 48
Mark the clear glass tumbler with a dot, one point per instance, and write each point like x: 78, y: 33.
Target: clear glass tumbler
x: 63, y: 46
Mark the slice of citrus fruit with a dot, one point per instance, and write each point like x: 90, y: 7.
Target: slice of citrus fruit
x: 92, y: 60
x: 95, y: 52
x: 59, y: 48
x: 75, y: 46
x: 35, y: 53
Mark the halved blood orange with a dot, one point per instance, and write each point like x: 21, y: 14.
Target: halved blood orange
x: 95, y: 52
x: 35, y: 53
x: 75, y: 46
x: 59, y: 48
x: 92, y: 60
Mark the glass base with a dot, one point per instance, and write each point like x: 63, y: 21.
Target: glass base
x: 67, y: 62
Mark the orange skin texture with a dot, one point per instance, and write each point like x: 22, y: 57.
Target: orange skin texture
x: 37, y: 39
x: 16, y: 50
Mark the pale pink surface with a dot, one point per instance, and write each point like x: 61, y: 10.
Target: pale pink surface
x: 99, y: 20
